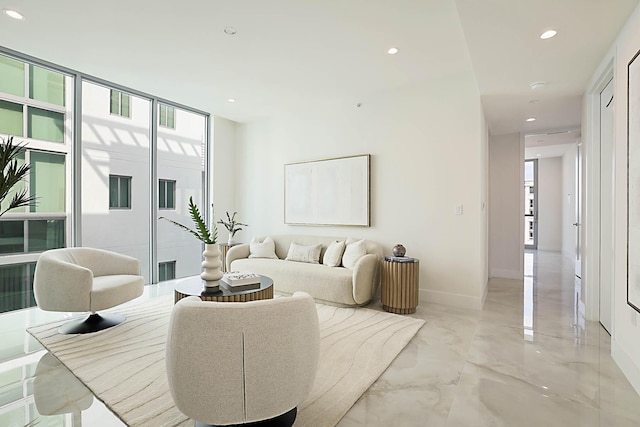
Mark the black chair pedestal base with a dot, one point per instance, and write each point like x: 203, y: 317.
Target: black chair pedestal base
x: 93, y: 323
x: 284, y: 420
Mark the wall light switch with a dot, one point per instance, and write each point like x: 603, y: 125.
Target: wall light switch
x: 458, y: 209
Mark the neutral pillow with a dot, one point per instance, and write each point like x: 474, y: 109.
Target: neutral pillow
x: 333, y: 254
x: 301, y: 253
x: 353, y: 252
x: 264, y: 249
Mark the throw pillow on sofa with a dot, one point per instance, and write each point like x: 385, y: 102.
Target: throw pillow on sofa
x: 264, y: 249
x: 353, y: 252
x: 333, y: 254
x: 301, y: 253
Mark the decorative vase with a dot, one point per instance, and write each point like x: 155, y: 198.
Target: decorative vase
x: 211, y: 272
x: 399, y: 250
x: 230, y: 242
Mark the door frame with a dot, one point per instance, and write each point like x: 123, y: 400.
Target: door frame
x: 591, y: 195
x: 535, y: 205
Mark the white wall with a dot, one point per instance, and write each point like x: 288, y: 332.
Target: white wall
x: 224, y: 188
x: 569, y: 202
x: 427, y: 156
x: 550, y: 204
x: 625, y: 345
x: 506, y: 238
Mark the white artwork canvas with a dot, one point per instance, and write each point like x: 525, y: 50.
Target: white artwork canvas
x: 328, y: 192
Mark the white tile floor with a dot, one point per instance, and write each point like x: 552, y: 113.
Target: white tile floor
x: 528, y: 359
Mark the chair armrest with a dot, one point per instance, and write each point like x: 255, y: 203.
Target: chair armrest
x: 62, y: 286
x: 365, y: 276
x: 236, y: 252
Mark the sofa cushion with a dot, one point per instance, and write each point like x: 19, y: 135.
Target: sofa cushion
x: 326, y: 284
x: 264, y: 249
x: 333, y: 254
x: 302, y: 253
x: 353, y: 252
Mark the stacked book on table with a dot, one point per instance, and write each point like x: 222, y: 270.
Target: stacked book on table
x: 237, y: 281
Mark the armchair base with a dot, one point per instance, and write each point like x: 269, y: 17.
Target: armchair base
x: 283, y: 420
x: 93, y: 323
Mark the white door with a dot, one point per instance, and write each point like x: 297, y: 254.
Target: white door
x: 606, y: 206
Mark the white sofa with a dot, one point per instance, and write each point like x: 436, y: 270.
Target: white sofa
x: 332, y: 285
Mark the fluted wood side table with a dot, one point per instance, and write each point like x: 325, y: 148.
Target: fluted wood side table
x: 400, y: 285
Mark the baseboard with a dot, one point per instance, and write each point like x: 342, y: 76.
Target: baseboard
x: 626, y: 364
x: 455, y: 300
x: 506, y: 274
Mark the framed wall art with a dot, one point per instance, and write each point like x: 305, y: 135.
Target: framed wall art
x: 633, y: 183
x: 328, y: 192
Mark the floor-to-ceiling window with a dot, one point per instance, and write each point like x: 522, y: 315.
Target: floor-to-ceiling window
x: 36, y: 109
x: 137, y: 158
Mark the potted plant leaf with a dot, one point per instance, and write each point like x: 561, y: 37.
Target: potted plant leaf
x: 12, y: 174
x: 232, y: 226
x: 211, y: 272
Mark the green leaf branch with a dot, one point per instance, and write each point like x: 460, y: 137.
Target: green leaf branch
x: 201, y: 231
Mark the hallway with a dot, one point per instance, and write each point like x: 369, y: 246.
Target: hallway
x: 529, y: 358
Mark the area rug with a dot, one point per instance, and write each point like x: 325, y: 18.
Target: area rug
x: 125, y: 368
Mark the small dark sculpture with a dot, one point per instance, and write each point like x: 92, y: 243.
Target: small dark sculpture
x: 399, y: 250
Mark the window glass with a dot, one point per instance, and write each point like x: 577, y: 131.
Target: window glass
x: 11, y: 237
x: 12, y: 73
x: 15, y: 189
x: 16, y: 292
x: 46, y: 234
x: 171, y: 117
x: 171, y: 189
x: 119, y: 191
x: 125, y: 100
x: 10, y: 118
x: 166, y: 271
x: 125, y: 186
x: 115, y: 102
x: 162, y: 189
x: 113, y: 191
x: 45, y: 85
x: 46, y: 125
x: 47, y: 181
x: 163, y: 115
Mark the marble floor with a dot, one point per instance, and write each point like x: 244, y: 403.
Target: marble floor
x: 529, y: 358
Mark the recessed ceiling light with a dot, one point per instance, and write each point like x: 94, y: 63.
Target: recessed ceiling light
x: 536, y: 85
x: 531, y: 119
x: 231, y: 100
x: 537, y: 155
x: 534, y: 101
x: 230, y: 30
x: 392, y: 51
x: 548, y: 34
x: 13, y: 14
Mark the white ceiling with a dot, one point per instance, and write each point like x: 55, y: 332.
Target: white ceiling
x: 289, y: 53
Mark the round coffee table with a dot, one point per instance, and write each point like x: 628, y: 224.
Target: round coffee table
x: 194, y: 286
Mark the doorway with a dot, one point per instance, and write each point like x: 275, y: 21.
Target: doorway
x: 531, y: 204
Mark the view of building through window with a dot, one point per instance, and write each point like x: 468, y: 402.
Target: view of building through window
x: 117, y: 188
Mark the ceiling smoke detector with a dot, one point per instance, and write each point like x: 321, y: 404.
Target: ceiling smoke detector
x: 230, y: 30
x: 536, y: 85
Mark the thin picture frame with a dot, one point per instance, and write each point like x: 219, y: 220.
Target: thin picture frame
x: 633, y: 182
x: 328, y: 192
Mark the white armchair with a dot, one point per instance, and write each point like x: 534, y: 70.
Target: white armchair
x: 242, y: 363
x: 86, y: 279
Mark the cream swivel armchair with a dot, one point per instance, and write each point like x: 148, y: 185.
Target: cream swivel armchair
x: 86, y: 279
x: 242, y: 363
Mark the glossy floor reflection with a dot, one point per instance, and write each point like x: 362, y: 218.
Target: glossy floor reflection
x: 528, y: 359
